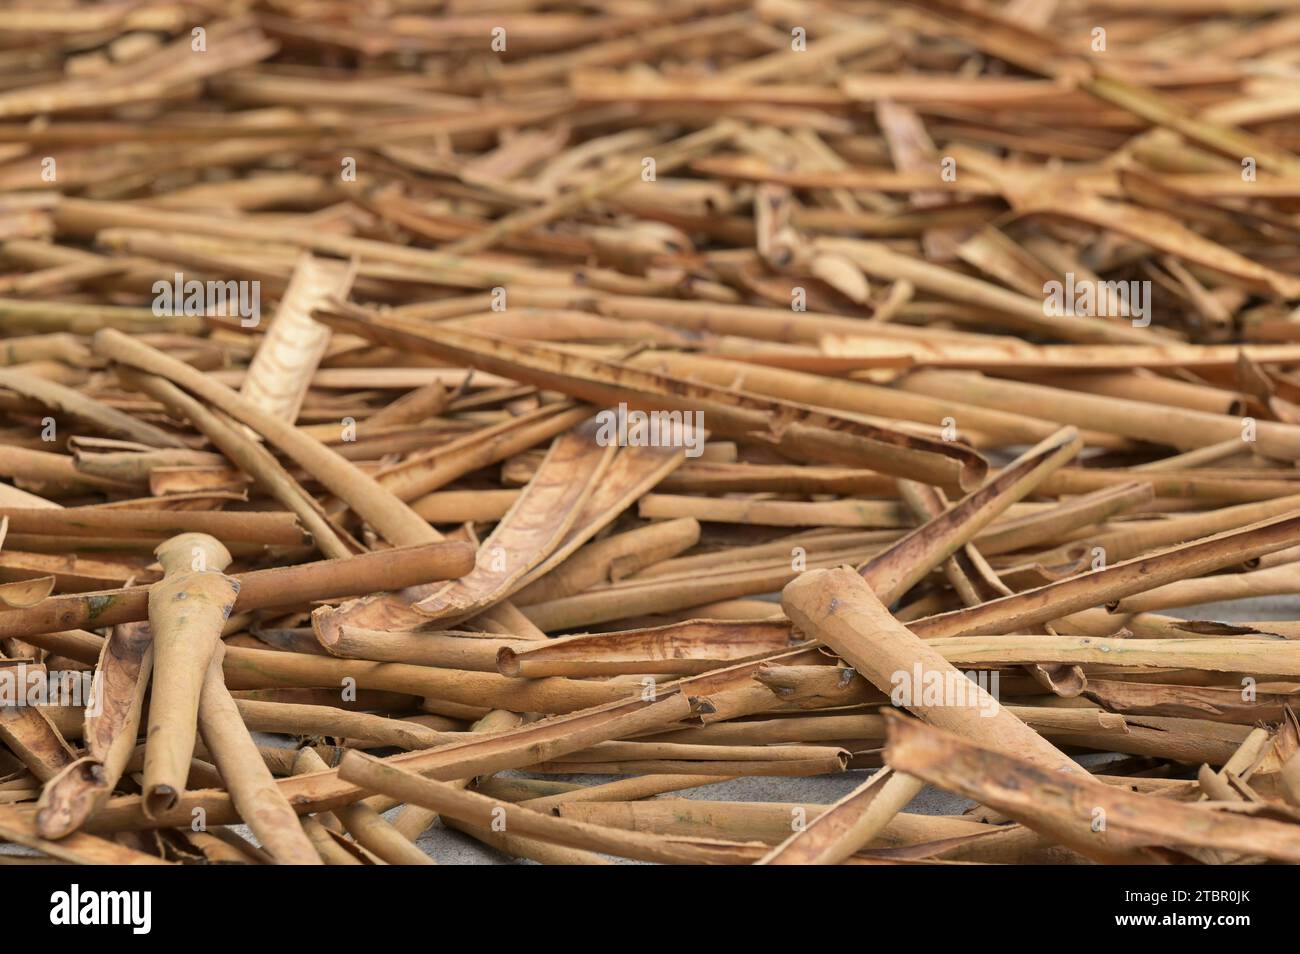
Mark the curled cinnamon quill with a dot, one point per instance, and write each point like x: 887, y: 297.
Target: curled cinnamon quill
x: 187, y: 610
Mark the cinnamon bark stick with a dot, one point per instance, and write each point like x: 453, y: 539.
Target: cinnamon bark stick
x: 187, y: 610
x: 279, y: 586
x: 253, y: 791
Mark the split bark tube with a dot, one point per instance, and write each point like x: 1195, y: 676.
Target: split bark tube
x: 187, y: 610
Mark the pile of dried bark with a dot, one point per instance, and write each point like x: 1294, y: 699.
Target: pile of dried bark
x: 466, y: 380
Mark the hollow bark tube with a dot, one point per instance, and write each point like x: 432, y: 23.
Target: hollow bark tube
x: 187, y: 610
x: 839, y: 608
x: 257, y: 798
x: 122, y: 673
x: 280, y: 586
